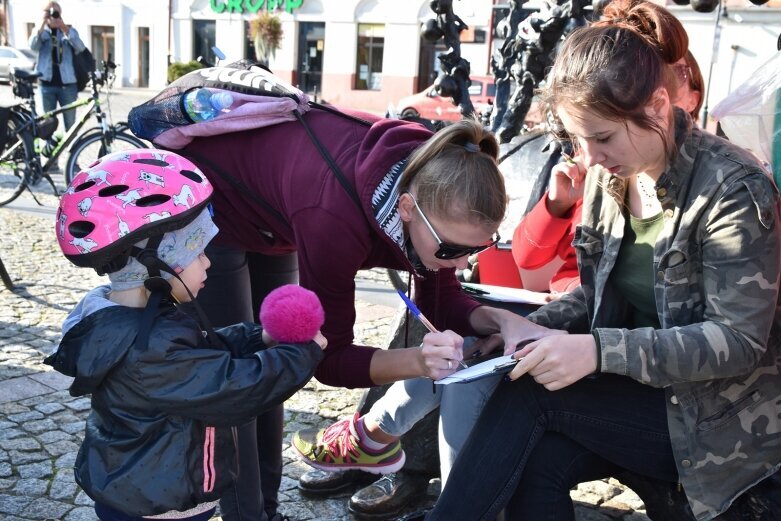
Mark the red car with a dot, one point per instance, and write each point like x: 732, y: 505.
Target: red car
x: 430, y: 105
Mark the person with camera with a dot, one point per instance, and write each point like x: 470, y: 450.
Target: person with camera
x: 56, y: 45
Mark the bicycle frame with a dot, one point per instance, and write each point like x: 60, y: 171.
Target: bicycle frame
x: 93, y: 107
x: 69, y: 136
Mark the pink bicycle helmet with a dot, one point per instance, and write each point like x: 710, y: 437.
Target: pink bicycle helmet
x: 123, y: 198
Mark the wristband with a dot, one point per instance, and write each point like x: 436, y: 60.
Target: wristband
x: 599, y: 351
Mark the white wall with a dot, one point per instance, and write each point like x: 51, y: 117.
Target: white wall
x: 752, y: 31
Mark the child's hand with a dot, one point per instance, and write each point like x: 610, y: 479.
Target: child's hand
x: 321, y: 340
x: 268, y: 340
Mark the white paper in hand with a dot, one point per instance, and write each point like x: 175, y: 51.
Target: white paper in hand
x: 494, y: 366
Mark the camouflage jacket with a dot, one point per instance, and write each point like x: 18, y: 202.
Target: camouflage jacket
x: 716, y: 286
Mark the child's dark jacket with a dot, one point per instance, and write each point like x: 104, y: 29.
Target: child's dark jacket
x: 159, y: 436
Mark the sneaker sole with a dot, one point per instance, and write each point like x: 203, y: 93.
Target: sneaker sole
x: 385, y: 468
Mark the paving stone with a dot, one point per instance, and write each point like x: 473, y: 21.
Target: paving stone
x: 53, y: 379
x: 42, y: 469
x: 20, y: 457
x: 20, y: 444
x: 6, y: 470
x: 38, y: 426
x: 31, y: 487
x: 83, y: 499
x: 66, y: 461
x: 9, y: 434
x: 26, y: 416
x: 80, y: 404
x: 54, y: 436
x: 81, y: 514
x: 13, y: 504
x: 63, y: 485
x: 43, y: 508
x: 49, y: 408
x: 61, y: 447
x: 19, y: 387
x: 73, y: 427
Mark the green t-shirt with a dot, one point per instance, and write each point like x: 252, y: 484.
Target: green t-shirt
x: 633, y: 274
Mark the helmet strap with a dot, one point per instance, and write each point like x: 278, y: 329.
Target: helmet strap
x: 159, y: 287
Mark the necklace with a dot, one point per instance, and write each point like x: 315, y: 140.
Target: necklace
x: 647, y: 193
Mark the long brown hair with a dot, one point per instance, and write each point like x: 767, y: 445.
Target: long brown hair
x: 611, y: 70
x: 455, y: 174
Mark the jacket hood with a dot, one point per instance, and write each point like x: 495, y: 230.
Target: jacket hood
x: 97, y: 336
x: 387, y: 142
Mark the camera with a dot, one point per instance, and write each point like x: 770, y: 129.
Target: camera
x: 54, y: 13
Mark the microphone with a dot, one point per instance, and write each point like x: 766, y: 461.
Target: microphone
x: 291, y: 314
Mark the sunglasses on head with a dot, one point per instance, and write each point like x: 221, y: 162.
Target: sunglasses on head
x: 448, y: 251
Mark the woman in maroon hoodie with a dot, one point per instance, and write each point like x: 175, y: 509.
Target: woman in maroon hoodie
x: 395, y: 196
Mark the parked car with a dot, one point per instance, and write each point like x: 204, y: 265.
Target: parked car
x: 430, y: 105
x: 11, y: 57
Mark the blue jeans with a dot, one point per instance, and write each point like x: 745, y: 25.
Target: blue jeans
x: 531, y: 445
x: 408, y: 401
x: 51, y: 96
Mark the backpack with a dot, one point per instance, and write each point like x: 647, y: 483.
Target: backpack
x: 260, y: 100
x: 83, y: 65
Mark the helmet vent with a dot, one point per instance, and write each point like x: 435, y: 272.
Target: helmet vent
x: 192, y: 176
x: 151, y: 161
x: 153, y: 200
x: 80, y: 229
x: 111, y: 191
x: 94, y: 163
x: 84, y: 186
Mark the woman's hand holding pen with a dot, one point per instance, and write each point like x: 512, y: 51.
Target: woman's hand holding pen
x: 566, y: 185
x: 556, y: 362
x: 440, y: 354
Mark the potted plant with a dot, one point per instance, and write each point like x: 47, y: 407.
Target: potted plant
x: 266, y: 35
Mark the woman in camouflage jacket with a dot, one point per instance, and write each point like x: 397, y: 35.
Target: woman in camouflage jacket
x: 671, y: 367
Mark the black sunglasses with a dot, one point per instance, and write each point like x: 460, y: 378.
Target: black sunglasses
x: 452, y: 251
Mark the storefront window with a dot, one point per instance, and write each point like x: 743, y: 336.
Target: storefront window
x: 204, y: 38
x: 103, y: 43
x: 371, y: 41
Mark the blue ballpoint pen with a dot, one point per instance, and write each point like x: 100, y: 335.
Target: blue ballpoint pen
x: 420, y: 316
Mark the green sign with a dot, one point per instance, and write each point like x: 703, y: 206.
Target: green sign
x: 253, y: 6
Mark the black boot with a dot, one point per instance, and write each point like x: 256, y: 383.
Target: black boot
x: 388, y: 496
x: 324, y: 483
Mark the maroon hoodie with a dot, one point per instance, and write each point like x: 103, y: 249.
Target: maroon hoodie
x: 305, y: 209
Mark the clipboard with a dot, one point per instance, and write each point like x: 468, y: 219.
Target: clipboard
x: 494, y: 366
x: 503, y: 294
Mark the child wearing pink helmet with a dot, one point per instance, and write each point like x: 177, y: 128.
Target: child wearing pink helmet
x: 167, y: 391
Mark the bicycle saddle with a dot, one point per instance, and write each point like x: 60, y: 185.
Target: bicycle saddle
x: 26, y: 75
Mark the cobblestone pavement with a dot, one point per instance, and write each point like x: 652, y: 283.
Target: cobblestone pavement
x: 41, y: 425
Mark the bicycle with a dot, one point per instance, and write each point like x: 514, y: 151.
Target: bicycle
x: 22, y: 166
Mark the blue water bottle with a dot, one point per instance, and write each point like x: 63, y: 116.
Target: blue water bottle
x: 202, y: 104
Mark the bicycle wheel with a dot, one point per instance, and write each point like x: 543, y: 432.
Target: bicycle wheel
x: 14, y: 162
x: 89, y: 147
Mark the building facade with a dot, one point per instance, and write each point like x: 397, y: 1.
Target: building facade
x: 362, y: 53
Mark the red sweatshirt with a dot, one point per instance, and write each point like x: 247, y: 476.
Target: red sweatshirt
x: 542, y: 249
x: 311, y: 213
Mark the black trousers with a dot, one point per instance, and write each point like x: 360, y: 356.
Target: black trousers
x: 237, y: 283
